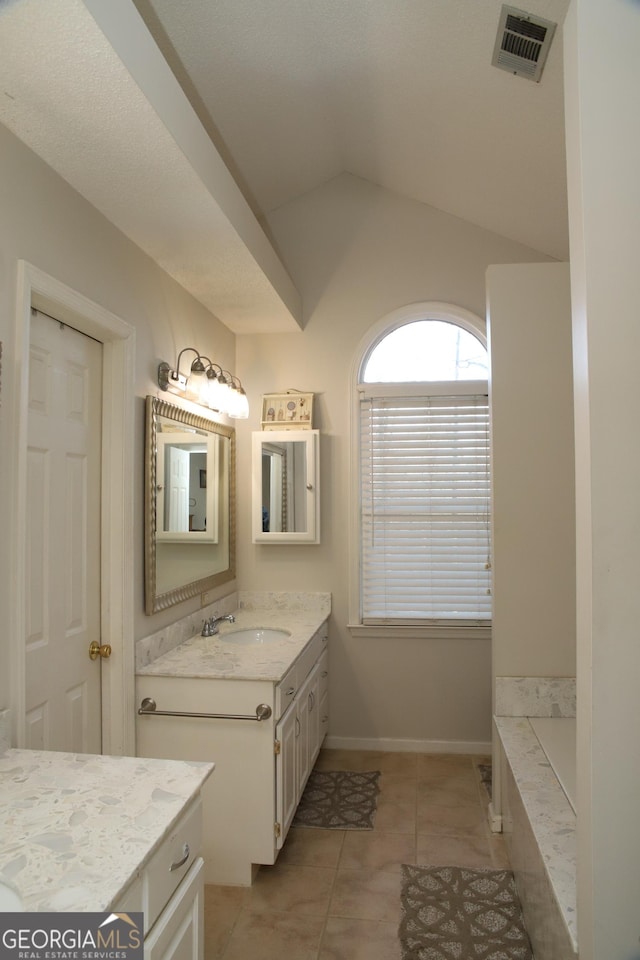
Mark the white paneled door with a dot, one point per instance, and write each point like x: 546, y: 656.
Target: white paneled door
x: 62, y: 688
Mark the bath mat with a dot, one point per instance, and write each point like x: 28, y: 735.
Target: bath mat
x: 455, y: 913
x: 339, y: 800
x: 485, y: 776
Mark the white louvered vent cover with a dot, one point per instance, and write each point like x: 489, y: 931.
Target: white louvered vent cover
x: 522, y: 43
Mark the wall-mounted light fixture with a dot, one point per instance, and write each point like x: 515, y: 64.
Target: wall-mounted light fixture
x: 206, y: 383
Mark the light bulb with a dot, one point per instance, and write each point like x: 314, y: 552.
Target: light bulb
x: 241, y: 404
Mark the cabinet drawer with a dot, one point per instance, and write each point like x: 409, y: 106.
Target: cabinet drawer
x: 286, y: 691
x: 171, y: 862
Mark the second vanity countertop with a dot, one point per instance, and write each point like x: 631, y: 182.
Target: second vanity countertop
x: 218, y: 658
x: 75, y: 829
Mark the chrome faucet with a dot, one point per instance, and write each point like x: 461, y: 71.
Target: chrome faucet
x: 210, y: 626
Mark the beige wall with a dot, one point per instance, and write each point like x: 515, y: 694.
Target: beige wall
x: 356, y: 253
x: 529, y: 313
x: 48, y: 224
x: 602, y: 71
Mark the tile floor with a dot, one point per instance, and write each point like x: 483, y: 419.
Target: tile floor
x: 335, y: 894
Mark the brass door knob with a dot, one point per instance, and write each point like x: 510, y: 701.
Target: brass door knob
x: 99, y: 650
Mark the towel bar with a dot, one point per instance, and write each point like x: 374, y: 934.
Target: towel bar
x: 148, y: 709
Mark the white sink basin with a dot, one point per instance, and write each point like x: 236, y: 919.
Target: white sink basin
x: 254, y: 635
x: 9, y: 898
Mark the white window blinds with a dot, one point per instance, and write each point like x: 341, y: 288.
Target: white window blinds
x: 425, y: 506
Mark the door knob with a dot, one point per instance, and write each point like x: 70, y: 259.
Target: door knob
x: 99, y: 650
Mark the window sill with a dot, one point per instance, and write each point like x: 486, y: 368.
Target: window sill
x: 394, y: 631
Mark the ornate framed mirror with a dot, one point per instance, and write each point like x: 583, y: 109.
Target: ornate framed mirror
x: 189, y: 504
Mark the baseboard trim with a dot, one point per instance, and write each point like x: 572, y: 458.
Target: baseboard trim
x: 389, y: 745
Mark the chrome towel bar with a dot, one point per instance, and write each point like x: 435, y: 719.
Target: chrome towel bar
x: 148, y: 709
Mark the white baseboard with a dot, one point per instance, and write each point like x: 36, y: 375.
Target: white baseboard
x: 388, y: 745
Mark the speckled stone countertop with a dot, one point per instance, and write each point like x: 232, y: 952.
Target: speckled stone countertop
x: 550, y: 814
x: 76, y: 828
x: 219, y: 658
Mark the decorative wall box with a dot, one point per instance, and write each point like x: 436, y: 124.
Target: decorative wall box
x: 290, y: 410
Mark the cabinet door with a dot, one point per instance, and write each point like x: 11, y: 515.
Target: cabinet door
x: 286, y: 772
x: 314, y: 717
x: 323, y: 697
x: 323, y: 717
x: 302, y: 739
x: 285, y: 486
x: 178, y: 933
x: 309, y: 731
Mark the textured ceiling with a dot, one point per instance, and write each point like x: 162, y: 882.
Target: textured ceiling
x: 84, y: 85
x: 239, y: 106
x: 400, y: 92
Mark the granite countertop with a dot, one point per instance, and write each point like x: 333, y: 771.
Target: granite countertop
x: 550, y: 814
x: 76, y: 828
x: 218, y: 658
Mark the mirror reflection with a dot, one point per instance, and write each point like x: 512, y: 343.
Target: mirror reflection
x: 285, y: 501
x: 186, y: 506
x: 189, y: 518
x: 284, y: 486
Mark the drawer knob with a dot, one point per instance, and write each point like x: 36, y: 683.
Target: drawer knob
x: 179, y: 863
x: 290, y: 692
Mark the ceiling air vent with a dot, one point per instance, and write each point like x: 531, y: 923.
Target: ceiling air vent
x: 522, y: 43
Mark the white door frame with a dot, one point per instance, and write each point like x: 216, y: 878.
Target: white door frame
x: 38, y: 289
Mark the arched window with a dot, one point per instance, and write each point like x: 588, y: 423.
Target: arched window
x: 424, y: 473
x: 426, y: 350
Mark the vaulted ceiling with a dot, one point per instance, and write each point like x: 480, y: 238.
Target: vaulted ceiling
x: 239, y: 106
x: 399, y: 92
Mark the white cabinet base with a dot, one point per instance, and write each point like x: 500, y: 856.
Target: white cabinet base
x: 250, y: 801
x: 178, y: 933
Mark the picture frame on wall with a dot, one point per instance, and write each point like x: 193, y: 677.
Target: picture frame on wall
x: 290, y: 410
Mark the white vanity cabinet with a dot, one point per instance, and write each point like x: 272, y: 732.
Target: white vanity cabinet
x: 299, y: 735
x: 261, y: 767
x: 169, y: 891
x: 178, y: 934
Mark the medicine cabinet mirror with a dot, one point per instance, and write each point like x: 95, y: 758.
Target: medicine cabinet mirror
x: 189, y: 505
x: 285, y: 486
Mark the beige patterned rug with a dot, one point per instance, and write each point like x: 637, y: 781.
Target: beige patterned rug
x: 339, y: 800
x: 455, y: 913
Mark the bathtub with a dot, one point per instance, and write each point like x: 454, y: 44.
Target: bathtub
x: 537, y: 791
x: 557, y: 737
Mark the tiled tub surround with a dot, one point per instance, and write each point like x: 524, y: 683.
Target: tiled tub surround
x: 539, y: 825
x: 557, y: 737
x: 538, y: 820
x: 76, y: 829
x: 535, y: 697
